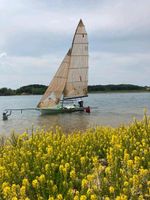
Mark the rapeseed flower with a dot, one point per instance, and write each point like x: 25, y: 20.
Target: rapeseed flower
x: 84, y: 183
x: 111, y: 189
x: 52, y: 165
x: 42, y: 179
x: 73, y: 174
x: 23, y: 191
x: 93, y: 197
x: 83, y: 197
x: 35, y: 184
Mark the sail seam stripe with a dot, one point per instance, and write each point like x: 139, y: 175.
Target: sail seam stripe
x: 77, y: 81
x: 81, y: 33
x: 78, y: 55
x: 80, y: 43
x: 60, y: 77
x: 78, y: 68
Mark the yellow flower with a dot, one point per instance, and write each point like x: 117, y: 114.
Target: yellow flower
x: 141, y: 197
x: 35, y: 184
x: 65, y: 184
x: 76, y: 197
x: 143, y: 172
x: 59, y: 197
x: 51, y: 198
x: 125, y: 190
x: 49, y: 150
x: 67, y: 166
x: 23, y: 191
x: 73, y: 174
x: 90, y: 177
x: 126, y: 184
x: 54, y: 188
x: 89, y: 191
x: 84, y: 183
x: 65, y: 171
x: 82, y: 160
x: 61, y: 168
x: 58, y: 157
x: 6, y: 191
x: 13, y: 189
x: 5, y: 184
x: 137, y: 160
x: 42, y: 179
x: 135, y: 180
x: 105, y: 180
x: 95, y: 160
x: 122, y: 197
x: 83, y: 197
x: 25, y: 182
x: 111, y: 189
x: 107, y: 170
x: 14, y: 198
x: 107, y: 198
x: 93, y: 197
x: 130, y: 163
x: 126, y: 156
x: 46, y: 167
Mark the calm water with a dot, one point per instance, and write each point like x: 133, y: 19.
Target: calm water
x: 111, y: 109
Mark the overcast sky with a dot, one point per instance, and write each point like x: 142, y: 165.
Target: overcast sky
x: 36, y: 34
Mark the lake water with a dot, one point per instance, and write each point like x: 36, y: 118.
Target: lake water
x: 111, y: 109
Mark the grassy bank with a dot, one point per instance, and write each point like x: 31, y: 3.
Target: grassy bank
x: 101, y: 163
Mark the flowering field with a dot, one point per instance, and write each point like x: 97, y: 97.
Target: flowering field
x: 101, y: 163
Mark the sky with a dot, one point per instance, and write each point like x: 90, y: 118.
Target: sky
x: 36, y: 34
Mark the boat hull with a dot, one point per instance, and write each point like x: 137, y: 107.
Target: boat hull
x: 50, y: 111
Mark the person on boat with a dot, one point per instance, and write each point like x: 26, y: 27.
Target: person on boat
x: 80, y: 102
x: 87, y: 109
x: 6, y: 114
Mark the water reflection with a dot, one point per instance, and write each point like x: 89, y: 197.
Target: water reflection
x: 68, y: 122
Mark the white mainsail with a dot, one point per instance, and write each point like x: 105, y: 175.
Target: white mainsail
x: 77, y: 81
x: 71, y: 79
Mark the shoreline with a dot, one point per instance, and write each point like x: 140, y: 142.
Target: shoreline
x: 91, y: 92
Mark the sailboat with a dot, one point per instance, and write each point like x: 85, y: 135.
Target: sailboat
x: 70, y: 82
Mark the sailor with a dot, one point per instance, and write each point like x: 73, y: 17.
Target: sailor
x: 87, y: 109
x: 5, y: 115
x: 80, y: 102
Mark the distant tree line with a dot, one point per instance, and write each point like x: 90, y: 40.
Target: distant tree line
x: 121, y: 87
x: 25, y: 90
x: 40, y: 89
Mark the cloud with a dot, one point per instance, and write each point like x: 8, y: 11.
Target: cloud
x: 23, y: 70
x: 36, y: 35
x: 109, y: 68
x: 3, y: 54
